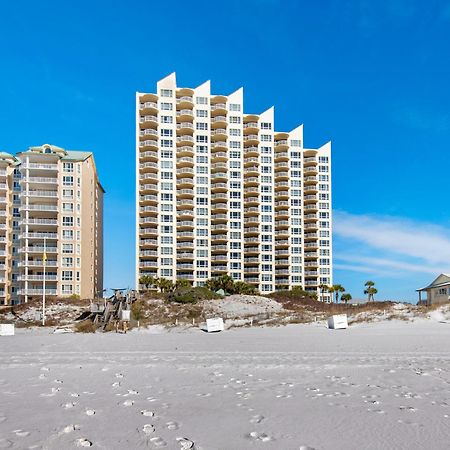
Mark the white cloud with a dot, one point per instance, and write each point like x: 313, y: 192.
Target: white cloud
x: 401, y: 242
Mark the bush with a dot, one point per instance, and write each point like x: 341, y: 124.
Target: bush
x: 190, y: 295
x: 137, y: 309
x: 86, y: 326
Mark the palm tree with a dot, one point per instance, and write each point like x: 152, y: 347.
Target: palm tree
x: 182, y: 283
x: 147, y: 281
x: 370, y: 290
x: 336, y: 289
x: 323, y: 288
x: 165, y: 285
x: 345, y: 298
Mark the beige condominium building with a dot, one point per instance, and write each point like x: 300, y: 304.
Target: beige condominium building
x: 220, y: 191
x: 51, y: 212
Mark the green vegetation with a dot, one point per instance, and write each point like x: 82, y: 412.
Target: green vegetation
x: 370, y: 290
x: 346, y: 298
x: 227, y: 284
x: 336, y: 289
x: 190, y: 295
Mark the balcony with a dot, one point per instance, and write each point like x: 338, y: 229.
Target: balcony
x: 309, y: 160
x: 185, y: 127
x: 38, y: 235
x: 148, y: 209
x: 148, y: 132
x: 36, y: 292
x: 148, y: 121
x: 252, y: 210
x: 186, y: 195
x: 185, y: 245
x: 185, y: 276
x: 185, y: 213
x: 185, y: 171
x: 251, y: 139
x: 148, y: 198
x: 185, y: 114
x: 218, y: 166
x: 251, y: 127
x: 219, y: 218
x: 38, y: 249
x: 43, y: 222
x: 252, y: 259
x: 185, y: 161
x: 219, y: 109
x: 281, y: 144
x: 148, y: 155
x: 185, y: 101
x: 185, y: 255
x: 281, y: 175
x: 219, y: 248
x: 148, y: 242
x: 148, y: 253
x: 148, y: 144
x: 37, y: 277
x: 147, y: 107
x: 252, y: 170
x: 219, y: 122
x: 221, y: 196
x: 219, y: 156
x: 149, y: 187
x: 40, y: 207
x: 185, y: 139
x: 185, y: 224
x: 252, y: 200
x: 148, y: 176
x: 219, y: 176
x: 220, y: 145
x: 185, y: 182
x: 148, y: 264
x: 185, y: 151
x: 219, y: 268
x: 282, y: 156
x: 40, y: 180
x: 148, y: 220
x: 310, y: 170
x: 149, y: 166
x: 251, y: 181
x: 39, y: 166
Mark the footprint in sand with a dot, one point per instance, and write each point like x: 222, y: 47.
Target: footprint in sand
x: 68, y: 405
x: 21, y: 433
x: 70, y: 428
x: 148, y: 429
x: 74, y: 394
x: 58, y: 381
x: 90, y: 412
x: 119, y: 375
x: 83, y: 443
x: 407, y: 408
x: 5, y: 443
x: 378, y: 411
x: 172, y: 426
x: 147, y: 413
x: 185, y: 443
x: 263, y: 437
x: 257, y: 419
x: 204, y: 395
x: 132, y: 392
x: 158, y: 442
x: 2, y: 419
x: 116, y: 384
x: 306, y: 447
x: 128, y: 403
x: 45, y: 369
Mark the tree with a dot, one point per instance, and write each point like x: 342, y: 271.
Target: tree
x: 323, y: 288
x: 165, y: 285
x: 147, y: 281
x: 346, y: 297
x: 224, y: 282
x: 241, y: 287
x: 370, y: 290
x: 336, y: 289
x: 182, y: 283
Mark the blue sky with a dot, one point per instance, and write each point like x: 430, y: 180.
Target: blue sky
x: 372, y: 76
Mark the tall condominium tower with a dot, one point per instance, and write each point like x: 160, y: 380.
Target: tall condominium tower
x: 51, y: 215
x: 219, y: 191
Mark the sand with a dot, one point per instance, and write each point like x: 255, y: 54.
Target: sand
x: 373, y: 386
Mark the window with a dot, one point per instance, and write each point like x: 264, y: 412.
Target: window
x: 166, y: 93
x: 235, y: 107
x: 266, y: 126
x: 66, y: 288
x: 201, y: 126
x: 235, y: 119
x: 67, y: 235
x: 166, y: 272
x: 166, y: 106
x: 235, y: 132
x: 67, y: 275
x: 202, y: 113
x: 67, y: 261
x: 67, y: 248
x: 67, y: 221
x: 166, y: 132
x: 166, y: 119
x: 166, y: 154
x: 67, y: 167
x: 68, y: 207
x: 235, y: 144
x: 68, y: 193
x: 201, y: 100
x: 202, y: 139
x: 67, y: 181
x: 166, y: 143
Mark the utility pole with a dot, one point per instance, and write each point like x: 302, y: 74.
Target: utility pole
x: 44, y: 261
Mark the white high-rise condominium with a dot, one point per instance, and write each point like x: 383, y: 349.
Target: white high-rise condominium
x: 221, y: 192
x: 51, y: 222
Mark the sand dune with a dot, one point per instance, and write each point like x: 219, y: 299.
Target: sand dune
x: 373, y: 386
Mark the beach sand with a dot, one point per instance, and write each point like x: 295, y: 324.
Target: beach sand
x: 372, y: 386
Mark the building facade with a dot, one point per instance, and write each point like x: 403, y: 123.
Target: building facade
x: 220, y: 191
x: 51, y: 216
x: 437, y: 292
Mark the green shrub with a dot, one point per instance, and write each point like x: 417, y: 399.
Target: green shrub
x: 190, y: 295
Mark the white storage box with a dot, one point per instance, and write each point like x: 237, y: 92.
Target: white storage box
x: 125, y: 315
x: 215, y: 324
x: 338, y: 322
x: 6, y: 329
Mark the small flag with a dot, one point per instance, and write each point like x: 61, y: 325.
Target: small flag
x: 44, y: 257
